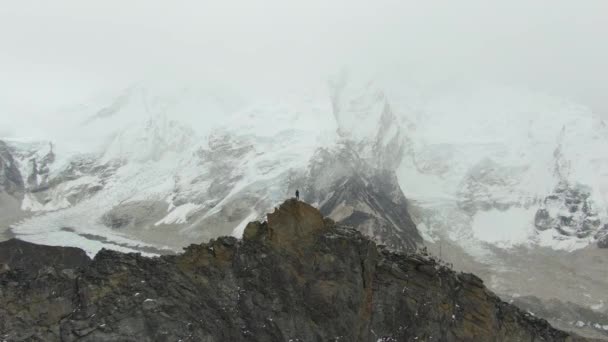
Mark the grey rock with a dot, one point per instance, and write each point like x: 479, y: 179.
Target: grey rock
x: 32, y: 258
x: 353, y: 193
x: 574, y: 211
x: 296, y: 277
x: 476, y: 191
x: 542, y: 220
x: 11, y: 181
x: 602, y: 237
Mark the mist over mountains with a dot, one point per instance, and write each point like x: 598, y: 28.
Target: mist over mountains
x: 474, y: 131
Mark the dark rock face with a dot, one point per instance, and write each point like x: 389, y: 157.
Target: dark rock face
x: 602, y: 237
x: 352, y: 193
x: 354, y: 182
x: 38, y: 177
x: 542, y: 220
x: 297, y: 277
x: 368, y: 206
x: 31, y: 258
x: 10, y: 178
x: 569, y: 210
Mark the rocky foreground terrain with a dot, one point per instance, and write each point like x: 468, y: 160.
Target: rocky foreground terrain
x: 296, y: 277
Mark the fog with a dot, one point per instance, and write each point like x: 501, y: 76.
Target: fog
x: 59, y: 53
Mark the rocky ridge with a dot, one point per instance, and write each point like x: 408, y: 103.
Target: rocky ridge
x: 351, y: 192
x: 11, y: 181
x: 296, y: 277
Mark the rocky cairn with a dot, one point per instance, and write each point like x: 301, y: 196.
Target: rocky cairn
x: 296, y: 277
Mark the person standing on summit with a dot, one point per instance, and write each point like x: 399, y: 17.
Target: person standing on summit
x: 297, y: 194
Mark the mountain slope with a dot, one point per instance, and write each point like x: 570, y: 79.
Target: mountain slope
x: 296, y: 277
x: 498, y: 153
x: 155, y: 173
x: 511, y: 185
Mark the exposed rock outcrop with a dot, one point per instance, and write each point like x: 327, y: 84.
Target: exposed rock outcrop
x: 296, y: 277
x: 376, y: 207
x: 353, y: 193
x: 30, y: 258
x: 11, y: 181
x: 569, y: 210
x: 602, y: 237
x: 38, y: 177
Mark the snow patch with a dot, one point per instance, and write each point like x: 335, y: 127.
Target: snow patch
x: 599, y: 306
x: 179, y: 214
x: 71, y: 239
x: 552, y: 239
x: 30, y: 203
x: 504, y: 228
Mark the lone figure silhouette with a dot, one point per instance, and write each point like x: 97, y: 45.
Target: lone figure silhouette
x: 298, y: 194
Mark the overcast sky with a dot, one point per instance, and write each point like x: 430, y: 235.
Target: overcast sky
x: 60, y: 52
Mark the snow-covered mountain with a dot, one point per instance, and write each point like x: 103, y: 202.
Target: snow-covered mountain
x: 512, y: 185
x: 500, y: 156
x: 152, y: 180
x: 493, y: 176
x: 529, y: 161
x: 495, y: 155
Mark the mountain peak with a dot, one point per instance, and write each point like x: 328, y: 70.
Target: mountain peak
x: 292, y: 226
x: 293, y: 221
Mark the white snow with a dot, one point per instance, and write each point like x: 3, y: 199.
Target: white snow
x: 496, y: 145
x: 179, y: 214
x: 30, y: 203
x: 599, y: 306
x: 551, y: 238
x: 425, y: 232
x: 504, y: 228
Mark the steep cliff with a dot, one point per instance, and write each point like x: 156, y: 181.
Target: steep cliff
x: 296, y: 277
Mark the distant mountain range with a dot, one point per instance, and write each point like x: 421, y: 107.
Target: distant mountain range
x: 488, y: 172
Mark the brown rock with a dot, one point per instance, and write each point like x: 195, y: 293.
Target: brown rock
x: 294, y: 224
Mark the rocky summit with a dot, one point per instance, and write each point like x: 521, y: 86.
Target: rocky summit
x: 296, y: 277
